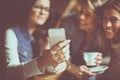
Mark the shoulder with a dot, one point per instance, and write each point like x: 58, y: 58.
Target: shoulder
x: 13, y: 28
x: 12, y: 31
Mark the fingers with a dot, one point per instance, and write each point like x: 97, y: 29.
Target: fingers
x: 66, y: 51
x: 99, y: 56
x: 98, y: 62
x: 60, y: 51
x: 64, y: 43
x: 60, y: 45
x: 46, y: 44
x: 99, y: 59
x: 84, y: 69
x: 59, y: 58
x: 60, y: 67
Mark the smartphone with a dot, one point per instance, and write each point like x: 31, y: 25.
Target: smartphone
x: 56, y: 35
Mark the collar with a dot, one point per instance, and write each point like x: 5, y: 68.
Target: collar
x: 26, y: 34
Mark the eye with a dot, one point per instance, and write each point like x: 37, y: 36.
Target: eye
x: 89, y: 14
x: 114, y: 20
x: 37, y: 6
x: 47, y: 9
x: 104, y: 18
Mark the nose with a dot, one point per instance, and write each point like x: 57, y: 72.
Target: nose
x: 109, y: 24
x: 42, y: 11
x: 82, y: 16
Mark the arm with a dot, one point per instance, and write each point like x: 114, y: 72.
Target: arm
x: 79, y: 71
x: 15, y: 69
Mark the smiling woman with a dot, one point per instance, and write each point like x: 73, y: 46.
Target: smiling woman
x: 40, y: 12
x: 20, y: 59
x: 111, y: 32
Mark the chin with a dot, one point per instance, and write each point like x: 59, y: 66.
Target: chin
x: 109, y: 37
x: 40, y: 23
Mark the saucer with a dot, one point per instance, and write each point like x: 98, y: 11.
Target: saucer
x: 98, y: 69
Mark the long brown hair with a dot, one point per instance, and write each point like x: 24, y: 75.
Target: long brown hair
x: 103, y: 42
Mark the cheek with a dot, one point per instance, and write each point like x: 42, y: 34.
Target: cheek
x: 47, y: 16
x: 104, y: 25
x: 117, y: 29
x: 91, y: 20
x: 117, y: 26
x: 33, y: 16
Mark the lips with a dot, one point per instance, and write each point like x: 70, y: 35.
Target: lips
x: 82, y: 22
x: 41, y: 18
x: 109, y: 30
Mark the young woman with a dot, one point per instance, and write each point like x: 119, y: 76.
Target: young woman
x: 111, y: 31
x: 17, y: 44
x: 82, y: 28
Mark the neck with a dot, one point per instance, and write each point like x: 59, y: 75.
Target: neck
x: 31, y: 27
x: 91, y: 30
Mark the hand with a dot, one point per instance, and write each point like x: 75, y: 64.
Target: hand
x: 46, y: 44
x: 85, y: 71
x: 79, y: 71
x: 60, y: 67
x: 55, y: 55
x: 99, y: 59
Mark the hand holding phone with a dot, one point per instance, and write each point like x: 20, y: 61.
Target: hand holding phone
x: 56, y: 35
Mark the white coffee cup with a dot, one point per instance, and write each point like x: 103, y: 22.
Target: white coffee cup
x: 89, y: 58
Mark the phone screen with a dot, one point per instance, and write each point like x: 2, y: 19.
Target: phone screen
x: 56, y: 35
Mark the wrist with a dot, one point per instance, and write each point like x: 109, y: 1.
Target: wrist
x: 69, y: 66
x: 41, y: 65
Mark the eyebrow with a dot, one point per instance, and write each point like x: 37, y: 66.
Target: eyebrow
x: 42, y: 5
x: 114, y: 17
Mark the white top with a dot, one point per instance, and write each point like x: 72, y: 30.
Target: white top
x: 15, y: 69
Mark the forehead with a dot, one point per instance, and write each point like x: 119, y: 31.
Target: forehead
x: 45, y: 3
x: 111, y: 12
x: 85, y: 8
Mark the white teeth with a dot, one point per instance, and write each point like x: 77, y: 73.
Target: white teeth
x: 109, y: 30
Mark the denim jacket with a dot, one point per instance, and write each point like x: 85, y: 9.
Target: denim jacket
x: 24, y: 44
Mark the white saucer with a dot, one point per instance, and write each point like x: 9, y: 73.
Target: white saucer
x: 98, y: 69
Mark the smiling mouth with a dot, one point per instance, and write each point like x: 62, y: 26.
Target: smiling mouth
x: 41, y: 17
x: 109, y: 30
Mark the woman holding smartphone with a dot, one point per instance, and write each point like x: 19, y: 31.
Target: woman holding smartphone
x: 17, y: 48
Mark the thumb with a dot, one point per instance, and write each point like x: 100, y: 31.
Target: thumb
x: 46, y: 43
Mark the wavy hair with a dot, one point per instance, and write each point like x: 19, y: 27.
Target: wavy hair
x: 112, y: 4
